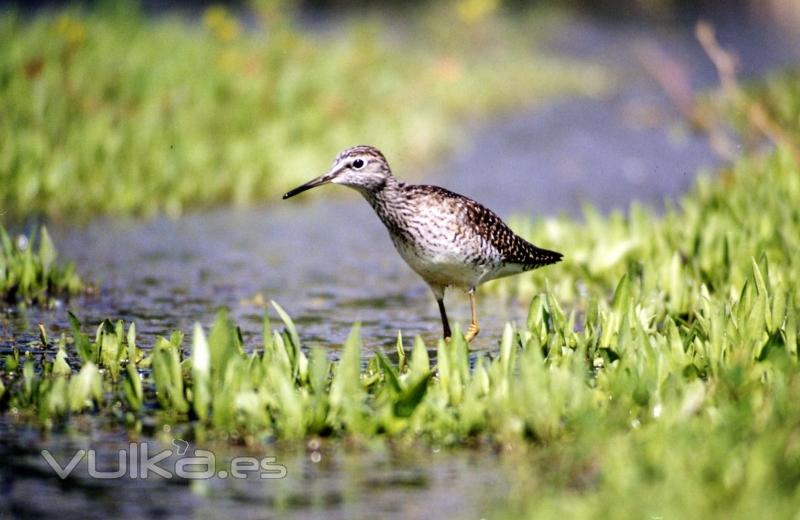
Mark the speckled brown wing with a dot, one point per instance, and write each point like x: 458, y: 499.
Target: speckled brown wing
x: 514, y: 249
x: 485, y: 223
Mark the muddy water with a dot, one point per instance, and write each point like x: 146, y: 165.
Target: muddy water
x: 330, y: 264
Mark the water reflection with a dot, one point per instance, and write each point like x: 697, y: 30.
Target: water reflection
x: 330, y: 480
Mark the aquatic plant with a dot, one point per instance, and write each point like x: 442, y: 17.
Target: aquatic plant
x: 117, y: 112
x: 666, y: 388
x: 546, y: 378
x: 29, y: 272
x: 702, y: 243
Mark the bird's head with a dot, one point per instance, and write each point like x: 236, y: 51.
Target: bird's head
x: 363, y: 168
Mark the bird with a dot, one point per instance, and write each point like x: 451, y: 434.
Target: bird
x: 448, y: 239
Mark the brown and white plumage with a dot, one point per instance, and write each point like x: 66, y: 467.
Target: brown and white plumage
x: 446, y: 238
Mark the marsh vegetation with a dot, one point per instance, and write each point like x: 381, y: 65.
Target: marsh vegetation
x: 655, y: 371
x: 119, y: 113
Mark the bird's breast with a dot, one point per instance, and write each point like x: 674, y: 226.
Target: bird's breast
x: 441, y: 254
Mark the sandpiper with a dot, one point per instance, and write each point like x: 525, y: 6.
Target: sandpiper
x: 448, y: 239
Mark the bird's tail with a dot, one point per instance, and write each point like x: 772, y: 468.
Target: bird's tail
x: 538, y: 257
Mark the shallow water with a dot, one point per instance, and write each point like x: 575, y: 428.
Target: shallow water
x: 329, y: 263
x: 327, y: 480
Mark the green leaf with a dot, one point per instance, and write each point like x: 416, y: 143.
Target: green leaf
x: 420, y: 361
x: 86, y: 350
x: 408, y: 401
x: 401, y: 352
x: 133, y: 353
x: 346, y: 393
x: 132, y: 388
x: 60, y: 365
x: 201, y: 373
x: 389, y: 372
x: 85, y: 388
x: 622, y: 295
x: 47, y: 252
x: 222, y: 346
x: 289, y: 324
x: 319, y: 370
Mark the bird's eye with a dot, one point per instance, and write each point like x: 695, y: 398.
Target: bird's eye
x: 358, y: 164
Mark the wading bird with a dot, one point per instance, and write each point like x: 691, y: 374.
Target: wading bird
x: 448, y: 239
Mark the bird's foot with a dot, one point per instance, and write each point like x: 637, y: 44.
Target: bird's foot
x: 472, y: 331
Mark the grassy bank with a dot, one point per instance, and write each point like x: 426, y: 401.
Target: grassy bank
x: 668, y: 389
x: 118, y: 113
x: 703, y: 239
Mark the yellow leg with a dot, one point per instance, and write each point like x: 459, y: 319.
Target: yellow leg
x: 474, y: 328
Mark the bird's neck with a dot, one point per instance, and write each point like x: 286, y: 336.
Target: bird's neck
x: 382, y: 195
x: 386, y: 201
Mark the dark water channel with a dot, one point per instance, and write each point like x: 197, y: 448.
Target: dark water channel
x: 329, y: 264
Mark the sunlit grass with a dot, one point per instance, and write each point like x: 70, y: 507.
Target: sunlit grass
x: 124, y: 114
x: 655, y: 376
x: 703, y: 242
x: 670, y: 376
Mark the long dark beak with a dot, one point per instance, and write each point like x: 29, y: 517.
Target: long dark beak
x: 319, y: 181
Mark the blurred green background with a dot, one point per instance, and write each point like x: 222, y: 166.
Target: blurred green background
x: 152, y: 107
x: 655, y: 372
x: 118, y: 110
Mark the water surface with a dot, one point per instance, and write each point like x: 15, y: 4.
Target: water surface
x: 330, y: 263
